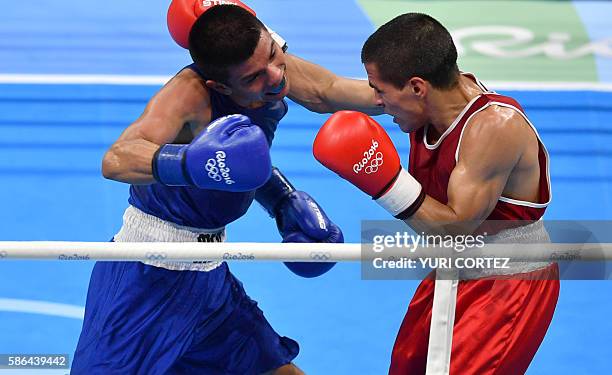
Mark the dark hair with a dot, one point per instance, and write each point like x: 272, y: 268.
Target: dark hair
x: 223, y: 36
x: 413, y: 45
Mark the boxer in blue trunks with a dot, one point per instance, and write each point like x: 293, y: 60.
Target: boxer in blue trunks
x: 196, y: 159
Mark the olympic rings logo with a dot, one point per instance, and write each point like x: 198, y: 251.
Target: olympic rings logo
x: 213, y: 171
x: 376, y: 162
x: 367, y: 156
x: 155, y: 256
x: 320, y: 256
x: 3, y: 254
x: 217, y: 170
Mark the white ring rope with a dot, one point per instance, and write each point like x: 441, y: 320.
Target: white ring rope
x: 308, y: 252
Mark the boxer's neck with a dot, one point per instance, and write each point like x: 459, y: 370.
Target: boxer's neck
x: 444, y: 106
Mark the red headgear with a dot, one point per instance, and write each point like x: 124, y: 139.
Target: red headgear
x: 182, y: 14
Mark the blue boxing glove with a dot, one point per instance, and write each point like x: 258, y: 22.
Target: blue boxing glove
x: 231, y: 154
x: 299, y: 219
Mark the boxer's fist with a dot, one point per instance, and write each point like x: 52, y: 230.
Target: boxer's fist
x: 300, y: 219
x: 182, y: 14
x: 231, y: 154
x: 359, y: 150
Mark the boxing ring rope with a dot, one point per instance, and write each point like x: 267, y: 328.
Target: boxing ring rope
x: 445, y: 290
x: 303, y: 252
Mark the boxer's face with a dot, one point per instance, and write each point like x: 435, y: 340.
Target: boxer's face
x: 406, y: 105
x: 262, y: 77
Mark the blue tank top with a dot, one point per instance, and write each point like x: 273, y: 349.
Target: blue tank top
x: 199, y: 208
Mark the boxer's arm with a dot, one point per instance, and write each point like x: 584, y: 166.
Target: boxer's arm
x: 492, y: 146
x: 322, y: 91
x: 129, y: 158
x: 482, y: 171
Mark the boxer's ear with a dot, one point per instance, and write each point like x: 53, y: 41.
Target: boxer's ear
x: 418, y: 86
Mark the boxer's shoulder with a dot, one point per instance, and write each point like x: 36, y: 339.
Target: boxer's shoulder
x: 187, y: 85
x: 497, y: 124
x: 186, y: 93
x: 493, y: 141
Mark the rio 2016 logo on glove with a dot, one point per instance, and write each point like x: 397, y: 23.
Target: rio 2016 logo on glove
x: 367, y: 156
x: 217, y: 169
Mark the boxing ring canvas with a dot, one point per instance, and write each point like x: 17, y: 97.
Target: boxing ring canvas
x: 74, y: 75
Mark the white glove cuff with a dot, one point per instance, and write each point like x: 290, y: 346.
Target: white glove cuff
x: 402, y: 194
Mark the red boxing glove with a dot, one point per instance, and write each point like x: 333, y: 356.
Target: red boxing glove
x: 359, y: 150
x: 182, y: 14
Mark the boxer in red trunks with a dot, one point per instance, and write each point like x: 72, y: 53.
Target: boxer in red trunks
x: 474, y: 156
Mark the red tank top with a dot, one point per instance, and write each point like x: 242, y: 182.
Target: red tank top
x: 432, y: 165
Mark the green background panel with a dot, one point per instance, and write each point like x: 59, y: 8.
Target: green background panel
x: 540, y: 17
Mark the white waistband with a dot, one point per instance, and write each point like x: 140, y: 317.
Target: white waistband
x: 139, y: 226
x: 531, y: 233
